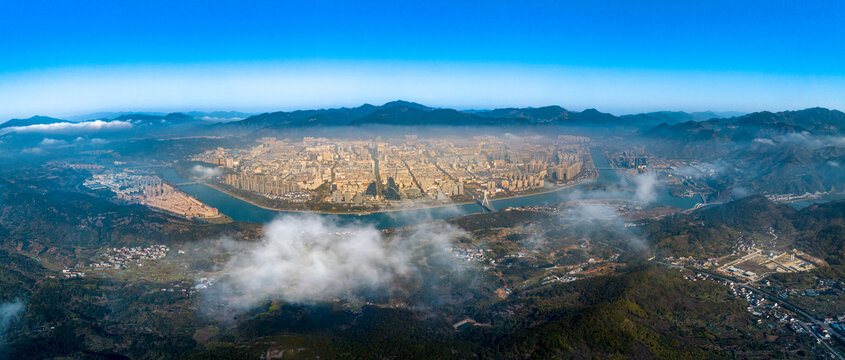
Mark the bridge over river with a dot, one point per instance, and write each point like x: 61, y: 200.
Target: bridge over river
x: 484, y: 202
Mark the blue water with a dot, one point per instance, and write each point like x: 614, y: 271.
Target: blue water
x: 240, y: 210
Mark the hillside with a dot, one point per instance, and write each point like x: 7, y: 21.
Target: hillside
x: 764, y: 148
x: 644, y: 313
x: 814, y: 121
x: 402, y: 115
x: 60, y: 225
x: 712, y: 231
x: 674, y: 117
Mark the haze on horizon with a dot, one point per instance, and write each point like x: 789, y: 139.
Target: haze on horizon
x: 65, y: 59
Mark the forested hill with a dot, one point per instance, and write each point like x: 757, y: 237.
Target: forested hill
x: 758, y: 125
x: 712, y: 231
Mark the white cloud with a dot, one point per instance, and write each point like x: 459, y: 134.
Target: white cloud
x: 308, y: 258
x: 646, y: 187
x: 740, y: 192
x: 589, y: 212
x: 204, y: 172
x: 802, y: 138
x: 702, y: 169
x: 593, y: 219
x: 811, y: 141
x: 33, y: 151
x: 51, y: 142
x: 68, y: 128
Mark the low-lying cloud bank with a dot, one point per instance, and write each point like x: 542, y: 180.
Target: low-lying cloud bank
x: 69, y: 128
x: 309, y: 258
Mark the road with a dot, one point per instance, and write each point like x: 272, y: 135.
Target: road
x: 374, y: 151
x: 478, y: 198
x: 413, y: 176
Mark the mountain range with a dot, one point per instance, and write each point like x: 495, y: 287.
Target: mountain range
x: 682, y: 125
x: 213, y: 116
x: 758, y: 125
x: 404, y: 113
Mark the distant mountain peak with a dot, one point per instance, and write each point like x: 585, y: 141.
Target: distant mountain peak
x: 404, y: 103
x: 34, y: 120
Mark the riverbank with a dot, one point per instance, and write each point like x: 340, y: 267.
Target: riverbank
x: 553, y: 189
x: 251, y: 202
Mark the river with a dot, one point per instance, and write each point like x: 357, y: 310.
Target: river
x: 240, y: 210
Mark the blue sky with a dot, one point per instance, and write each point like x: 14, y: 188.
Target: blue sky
x: 65, y: 58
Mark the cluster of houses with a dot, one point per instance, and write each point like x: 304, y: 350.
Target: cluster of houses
x: 119, y: 258
x: 470, y: 255
x: 73, y: 273
x: 765, y: 309
x: 552, y: 278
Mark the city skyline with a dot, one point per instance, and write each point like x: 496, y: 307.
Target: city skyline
x: 66, y: 59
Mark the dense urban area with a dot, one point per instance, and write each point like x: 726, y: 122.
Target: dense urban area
x: 383, y: 172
